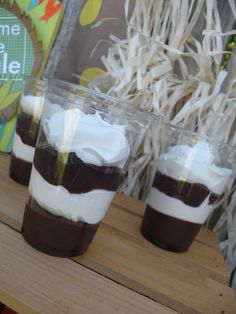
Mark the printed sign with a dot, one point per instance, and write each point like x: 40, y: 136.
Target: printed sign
x: 27, y: 31
x: 16, y: 50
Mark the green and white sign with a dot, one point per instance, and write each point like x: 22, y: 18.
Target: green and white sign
x: 27, y: 31
x: 16, y: 50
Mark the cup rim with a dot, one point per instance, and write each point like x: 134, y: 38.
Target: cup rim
x: 42, y: 81
x: 199, y: 136
x: 144, y: 125
x: 150, y: 115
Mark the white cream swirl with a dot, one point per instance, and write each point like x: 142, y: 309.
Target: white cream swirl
x: 93, y: 140
x: 32, y: 105
x: 196, y: 165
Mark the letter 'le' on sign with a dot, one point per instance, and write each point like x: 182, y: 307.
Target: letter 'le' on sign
x: 16, y: 48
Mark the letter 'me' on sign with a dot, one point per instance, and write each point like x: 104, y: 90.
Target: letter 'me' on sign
x: 16, y: 50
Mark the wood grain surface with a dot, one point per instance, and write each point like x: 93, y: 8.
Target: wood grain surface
x: 32, y: 282
x: 192, y: 282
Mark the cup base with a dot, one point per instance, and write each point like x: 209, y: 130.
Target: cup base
x: 36, y: 244
x: 162, y: 245
x: 167, y: 232
x: 20, y: 170
x: 53, y: 235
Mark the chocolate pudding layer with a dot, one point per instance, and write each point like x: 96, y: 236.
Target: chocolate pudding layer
x: 20, y: 170
x: 27, y: 129
x: 168, y: 232
x: 72, y: 173
x: 55, y: 235
x: 23, y: 148
x: 192, y: 194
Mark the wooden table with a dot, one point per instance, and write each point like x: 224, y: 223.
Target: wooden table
x: 120, y: 273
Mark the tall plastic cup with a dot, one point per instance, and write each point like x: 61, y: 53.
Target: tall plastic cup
x: 84, y: 146
x: 192, y: 175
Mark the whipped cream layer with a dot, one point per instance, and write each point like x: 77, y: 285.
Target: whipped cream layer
x: 94, y: 140
x: 21, y: 150
x: 32, y: 105
x: 176, y: 208
x: 195, y: 165
x: 88, y: 207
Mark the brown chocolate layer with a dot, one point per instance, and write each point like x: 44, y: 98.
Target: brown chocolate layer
x: 72, y: 173
x: 54, y: 235
x: 27, y: 129
x: 168, y: 232
x: 192, y: 194
x: 20, y: 170
x: 2, y: 306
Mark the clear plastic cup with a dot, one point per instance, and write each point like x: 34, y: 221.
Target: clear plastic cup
x: 83, y: 150
x: 31, y: 105
x: 192, y: 175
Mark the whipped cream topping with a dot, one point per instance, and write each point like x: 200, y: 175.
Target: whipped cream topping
x: 94, y: 140
x: 195, y: 165
x: 32, y: 105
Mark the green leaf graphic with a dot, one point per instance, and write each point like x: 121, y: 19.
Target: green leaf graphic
x: 9, y: 99
x: 4, y: 90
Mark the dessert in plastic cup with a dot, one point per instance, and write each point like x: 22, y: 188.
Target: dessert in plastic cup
x: 191, y: 177
x: 81, y: 156
x: 31, y: 106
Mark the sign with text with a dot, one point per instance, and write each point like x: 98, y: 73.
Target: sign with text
x: 16, y: 50
x: 27, y: 31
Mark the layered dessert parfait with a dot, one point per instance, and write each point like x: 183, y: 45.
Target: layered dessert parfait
x: 77, y: 168
x: 25, y: 138
x: 186, y: 187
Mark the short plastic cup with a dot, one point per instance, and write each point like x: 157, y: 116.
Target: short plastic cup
x: 31, y: 105
x: 85, y: 142
x: 192, y: 175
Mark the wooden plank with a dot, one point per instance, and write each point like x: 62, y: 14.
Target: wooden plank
x: 12, y: 196
x: 179, y: 283
x: 200, y: 258
x: 15, y: 304
x: 132, y: 204
x: 204, y: 251
x: 45, y: 284
x: 208, y: 237
x: 137, y: 207
x: 118, y: 257
x: 204, y: 258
